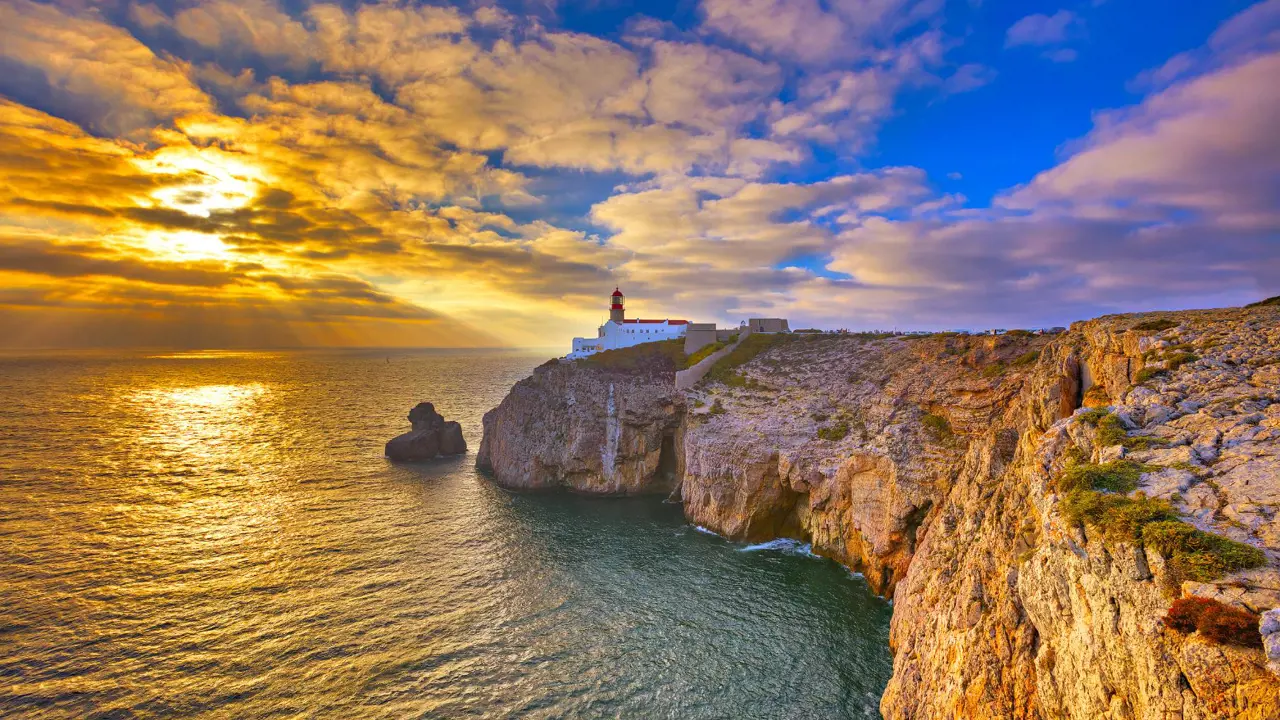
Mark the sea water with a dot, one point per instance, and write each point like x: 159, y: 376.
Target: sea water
x: 218, y: 535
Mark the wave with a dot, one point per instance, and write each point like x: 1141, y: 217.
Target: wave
x: 782, y: 545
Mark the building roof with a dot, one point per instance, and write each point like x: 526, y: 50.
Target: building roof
x: 669, y: 322
x: 617, y: 292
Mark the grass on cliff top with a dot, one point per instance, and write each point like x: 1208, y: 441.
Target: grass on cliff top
x: 1155, y: 325
x: 1265, y: 303
x: 704, y: 353
x: 659, y: 356
x: 725, y: 370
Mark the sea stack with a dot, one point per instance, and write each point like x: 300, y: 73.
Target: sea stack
x: 432, y: 436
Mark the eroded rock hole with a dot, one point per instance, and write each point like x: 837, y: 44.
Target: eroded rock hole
x: 667, y: 458
x: 913, y: 521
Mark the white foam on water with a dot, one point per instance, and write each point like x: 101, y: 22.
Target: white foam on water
x: 706, y: 531
x: 783, y: 545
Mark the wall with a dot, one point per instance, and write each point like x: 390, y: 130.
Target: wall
x: 769, y: 325
x: 698, y: 336
x: 686, y: 379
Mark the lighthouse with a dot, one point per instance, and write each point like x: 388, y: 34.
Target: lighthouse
x: 616, y: 313
x: 619, y: 332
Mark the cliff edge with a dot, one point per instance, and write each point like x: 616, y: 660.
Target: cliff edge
x: 1033, y: 504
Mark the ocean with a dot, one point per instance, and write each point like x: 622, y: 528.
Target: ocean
x: 218, y: 535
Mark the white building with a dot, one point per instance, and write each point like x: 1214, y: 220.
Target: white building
x: 619, y: 332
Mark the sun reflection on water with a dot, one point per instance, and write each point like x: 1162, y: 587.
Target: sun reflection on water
x: 206, y: 425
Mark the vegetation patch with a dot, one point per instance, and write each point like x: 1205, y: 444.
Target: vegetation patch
x: 1264, y: 303
x: 1216, y: 621
x: 1199, y: 555
x: 1146, y: 374
x: 743, y: 382
x: 660, y: 356
x: 938, y: 427
x: 1117, y: 476
x: 717, y: 408
x: 754, y: 344
x: 1027, y: 358
x: 1178, y: 359
x: 1191, y: 553
x: 1120, y: 518
x: 835, y: 432
x: 1111, y: 431
x: 1093, y: 416
x: 1020, y: 333
x: 994, y: 370
x: 1155, y: 325
x: 703, y: 353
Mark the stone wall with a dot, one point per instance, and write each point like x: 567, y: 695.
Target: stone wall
x: 686, y: 379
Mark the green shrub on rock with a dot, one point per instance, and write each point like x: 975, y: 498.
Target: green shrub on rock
x: 1118, y: 476
x: 937, y: 426
x: 1199, y: 555
x: 1094, y: 416
x: 1111, y: 431
x: 835, y: 432
x: 1120, y: 518
x: 1027, y: 358
x: 1146, y: 374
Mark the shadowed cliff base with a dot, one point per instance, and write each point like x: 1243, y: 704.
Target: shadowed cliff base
x: 951, y: 469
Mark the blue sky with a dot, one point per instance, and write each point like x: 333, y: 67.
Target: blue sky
x: 480, y: 173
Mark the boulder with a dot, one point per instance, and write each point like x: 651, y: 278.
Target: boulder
x: 430, y: 437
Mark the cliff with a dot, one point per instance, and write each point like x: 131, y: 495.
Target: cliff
x: 1032, y: 504
x: 587, y: 427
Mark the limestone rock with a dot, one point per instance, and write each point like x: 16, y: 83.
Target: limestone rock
x: 586, y: 429
x: 430, y: 437
x: 930, y: 465
x: 1270, y: 629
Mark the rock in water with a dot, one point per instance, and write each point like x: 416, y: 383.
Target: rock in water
x: 432, y: 436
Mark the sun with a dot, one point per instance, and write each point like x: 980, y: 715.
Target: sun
x: 213, y: 179
x: 200, y: 182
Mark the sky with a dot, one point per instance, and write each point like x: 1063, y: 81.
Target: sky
x: 266, y: 173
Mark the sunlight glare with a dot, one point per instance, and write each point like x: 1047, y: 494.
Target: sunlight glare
x: 223, y: 181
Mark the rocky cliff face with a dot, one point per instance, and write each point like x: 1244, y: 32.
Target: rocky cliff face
x: 933, y: 465
x: 586, y: 429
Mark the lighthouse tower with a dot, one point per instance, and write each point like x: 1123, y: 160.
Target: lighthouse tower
x: 616, y: 313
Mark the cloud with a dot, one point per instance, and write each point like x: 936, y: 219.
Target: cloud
x: 90, y: 72
x: 811, y: 32
x: 1205, y: 147
x: 1039, y: 29
x: 1253, y: 31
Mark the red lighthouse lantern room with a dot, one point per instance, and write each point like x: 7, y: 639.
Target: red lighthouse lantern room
x: 616, y: 312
